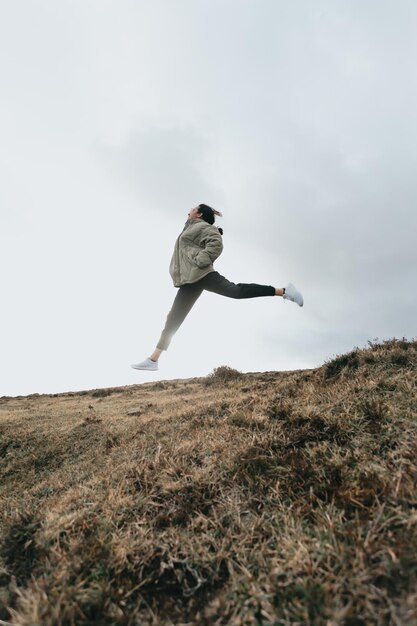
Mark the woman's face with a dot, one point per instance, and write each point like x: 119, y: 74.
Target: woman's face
x: 194, y: 213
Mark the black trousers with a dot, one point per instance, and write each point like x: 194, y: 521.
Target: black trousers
x: 188, y: 294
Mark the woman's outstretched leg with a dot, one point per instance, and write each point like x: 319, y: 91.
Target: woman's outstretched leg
x: 219, y: 284
x: 183, y: 303
x: 216, y: 283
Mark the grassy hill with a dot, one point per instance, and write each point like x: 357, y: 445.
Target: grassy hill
x: 271, y: 498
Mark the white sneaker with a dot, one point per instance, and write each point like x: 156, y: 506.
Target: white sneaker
x: 147, y: 364
x: 291, y: 293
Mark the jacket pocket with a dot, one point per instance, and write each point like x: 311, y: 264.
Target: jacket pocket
x: 191, y: 253
x: 202, y: 259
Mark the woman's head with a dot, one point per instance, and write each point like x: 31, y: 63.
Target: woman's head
x: 204, y: 212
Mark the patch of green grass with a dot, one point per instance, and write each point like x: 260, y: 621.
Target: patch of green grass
x: 349, y: 361
x: 18, y: 548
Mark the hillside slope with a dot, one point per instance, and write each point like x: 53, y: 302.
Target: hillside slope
x: 276, y: 498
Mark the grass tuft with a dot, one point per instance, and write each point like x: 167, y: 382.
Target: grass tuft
x: 349, y: 361
x: 222, y: 374
x: 18, y: 549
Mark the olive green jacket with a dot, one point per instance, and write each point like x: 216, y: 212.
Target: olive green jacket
x: 195, y: 251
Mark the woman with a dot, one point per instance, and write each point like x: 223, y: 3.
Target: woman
x: 191, y: 269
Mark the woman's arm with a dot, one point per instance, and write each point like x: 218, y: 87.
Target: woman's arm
x: 212, y: 246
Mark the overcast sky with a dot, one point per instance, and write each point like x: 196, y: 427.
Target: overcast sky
x: 296, y: 119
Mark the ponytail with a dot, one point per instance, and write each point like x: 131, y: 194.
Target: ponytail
x: 208, y: 214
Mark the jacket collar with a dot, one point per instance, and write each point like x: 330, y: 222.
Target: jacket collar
x: 196, y: 220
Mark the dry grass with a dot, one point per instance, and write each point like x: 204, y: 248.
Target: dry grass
x: 241, y: 499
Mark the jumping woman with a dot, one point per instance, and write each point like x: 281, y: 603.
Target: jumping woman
x: 191, y: 269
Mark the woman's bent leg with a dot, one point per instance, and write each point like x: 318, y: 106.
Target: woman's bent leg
x: 219, y: 284
x: 184, y: 301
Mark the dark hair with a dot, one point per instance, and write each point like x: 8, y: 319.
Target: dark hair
x: 208, y: 214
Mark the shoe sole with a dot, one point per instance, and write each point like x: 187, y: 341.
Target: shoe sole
x: 295, y: 301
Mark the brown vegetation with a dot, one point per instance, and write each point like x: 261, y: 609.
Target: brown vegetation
x: 279, y: 498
